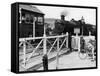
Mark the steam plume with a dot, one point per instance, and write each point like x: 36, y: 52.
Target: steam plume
x: 64, y: 12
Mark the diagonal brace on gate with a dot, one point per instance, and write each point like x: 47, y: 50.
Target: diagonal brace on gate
x: 52, y: 47
x: 34, y: 51
x: 62, y: 43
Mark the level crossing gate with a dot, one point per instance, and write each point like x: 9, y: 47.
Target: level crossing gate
x: 45, y: 46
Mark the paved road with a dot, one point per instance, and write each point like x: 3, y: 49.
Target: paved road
x: 36, y: 62
x: 71, y: 61
x: 66, y: 61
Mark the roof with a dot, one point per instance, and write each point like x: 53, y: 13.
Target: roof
x: 31, y: 8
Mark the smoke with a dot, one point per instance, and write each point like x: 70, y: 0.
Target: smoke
x: 64, y: 12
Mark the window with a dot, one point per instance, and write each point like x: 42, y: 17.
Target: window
x: 23, y: 17
x: 27, y: 16
x: 31, y: 18
x: 40, y: 20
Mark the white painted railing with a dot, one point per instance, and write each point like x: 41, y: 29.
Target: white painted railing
x: 75, y: 42
x: 44, y: 40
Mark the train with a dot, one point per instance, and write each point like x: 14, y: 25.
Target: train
x: 63, y: 26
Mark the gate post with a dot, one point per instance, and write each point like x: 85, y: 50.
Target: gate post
x: 66, y: 39
x: 57, y: 57
x: 79, y: 44
x: 24, y: 53
x: 45, y: 57
x: 69, y: 41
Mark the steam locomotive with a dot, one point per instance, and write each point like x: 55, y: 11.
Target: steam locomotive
x: 63, y: 26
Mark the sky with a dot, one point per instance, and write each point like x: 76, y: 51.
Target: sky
x: 76, y: 13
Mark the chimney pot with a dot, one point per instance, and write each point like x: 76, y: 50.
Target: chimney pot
x: 62, y: 17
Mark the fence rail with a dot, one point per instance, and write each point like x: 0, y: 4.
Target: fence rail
x: 59, y: 42
x: 24, y: 42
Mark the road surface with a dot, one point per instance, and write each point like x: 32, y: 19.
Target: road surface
x: 71, y: 61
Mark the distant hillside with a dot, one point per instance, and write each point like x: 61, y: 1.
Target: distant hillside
x: 50, y: 21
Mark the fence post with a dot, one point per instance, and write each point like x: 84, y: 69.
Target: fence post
x: 66, y: 39
x: 45, y: 57
x: 57, y: 56
x: 89, y: 33
x: 20, y: 15
x: 69, y: 41
x: 34, y: 28
x: 93, y: 57
x: 24, y: 53
x: 79, y: 44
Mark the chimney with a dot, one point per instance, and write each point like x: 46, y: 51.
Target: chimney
x: 82, y: 20
x: 62, y: 17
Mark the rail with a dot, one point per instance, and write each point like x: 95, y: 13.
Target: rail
x: 23, y: 42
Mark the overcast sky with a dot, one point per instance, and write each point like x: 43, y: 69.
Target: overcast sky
x: 76, y: 13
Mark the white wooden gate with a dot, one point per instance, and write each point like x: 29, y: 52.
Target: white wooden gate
x: 76, y: 42
x: 56, y: 44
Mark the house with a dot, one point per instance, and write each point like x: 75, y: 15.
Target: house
x: 31, y: 21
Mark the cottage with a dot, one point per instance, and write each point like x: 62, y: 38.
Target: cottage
x: 31, y: 21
